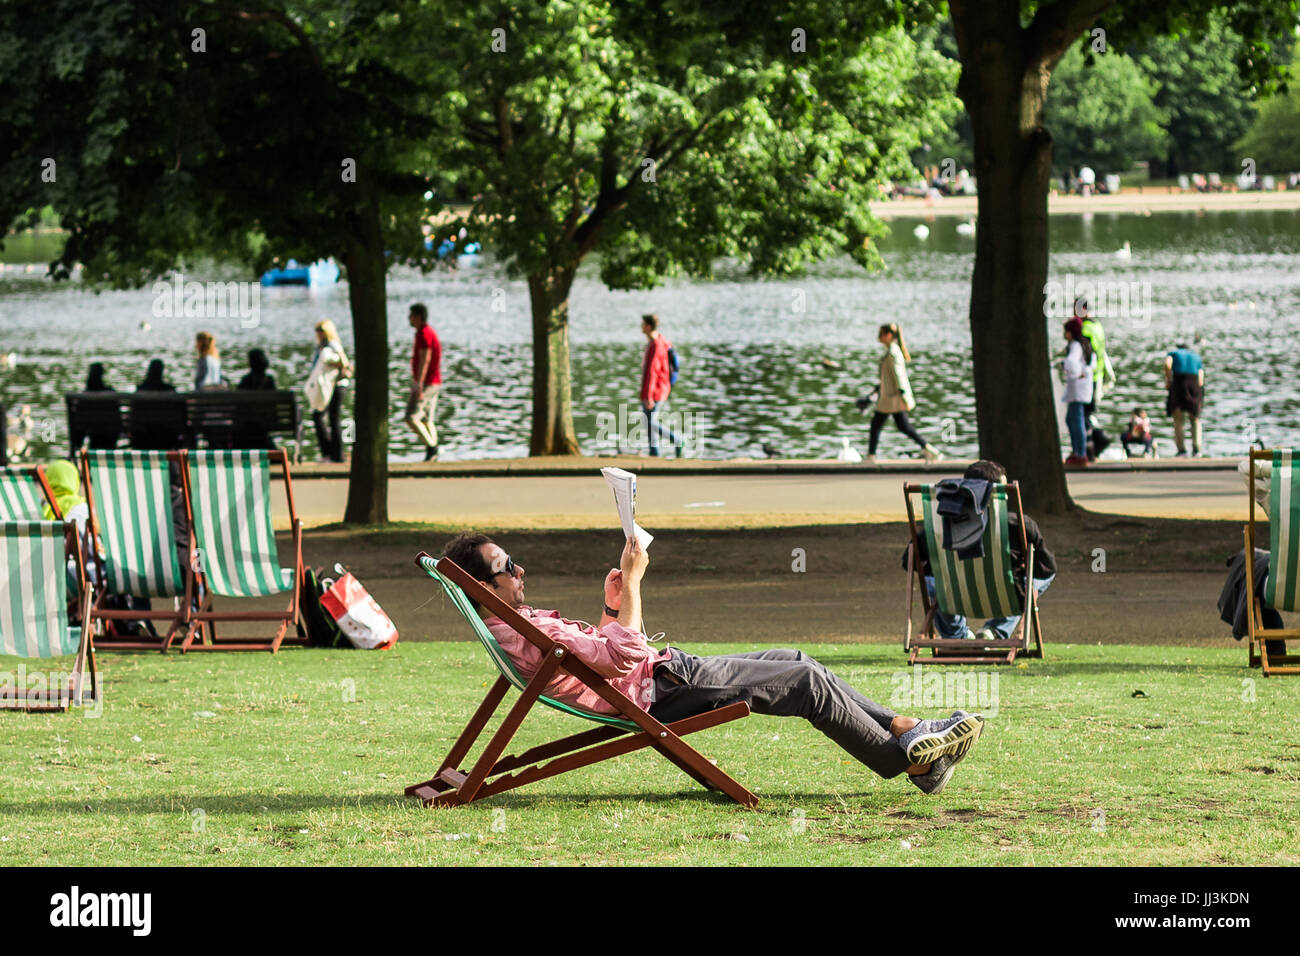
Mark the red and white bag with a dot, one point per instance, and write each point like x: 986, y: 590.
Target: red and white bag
x: 358, y: 615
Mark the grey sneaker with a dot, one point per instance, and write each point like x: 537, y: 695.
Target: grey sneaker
x: 936, y: 778
x: 931, y: 739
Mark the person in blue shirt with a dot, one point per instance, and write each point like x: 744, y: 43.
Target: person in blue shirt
x: 1185, y: 379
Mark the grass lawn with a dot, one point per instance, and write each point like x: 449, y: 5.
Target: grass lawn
x: 248, y: 759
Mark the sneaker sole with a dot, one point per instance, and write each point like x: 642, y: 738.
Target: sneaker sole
x: 956, y: 740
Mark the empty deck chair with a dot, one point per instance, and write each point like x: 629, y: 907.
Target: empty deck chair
x: 34, y: 616
x: 229, y: 500
x: 130, y: 498
x: 976, y: 588
x: 1282, y: 587
x: 631, y: 729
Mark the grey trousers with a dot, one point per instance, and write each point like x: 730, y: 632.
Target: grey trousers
x: 783, y: 683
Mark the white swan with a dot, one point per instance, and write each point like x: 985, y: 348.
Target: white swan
x: 966, y: 228
x: 847, y: 452
x: 921, y: 232
x: 1125, y: 251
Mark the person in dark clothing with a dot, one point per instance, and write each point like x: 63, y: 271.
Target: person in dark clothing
x: 153, y: 379
x: 1235, y: 599
x: 95, y: 380
x: 257, y: 379
x: 954, y: 625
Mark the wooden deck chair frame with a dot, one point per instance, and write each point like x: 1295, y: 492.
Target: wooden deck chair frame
x: 58, y: 700
x: 964, y: 650
x: 178, y: 618
x: 203, y: 621
x: 1279, y: 505
x: 37, y: 475
x: 493, y: 773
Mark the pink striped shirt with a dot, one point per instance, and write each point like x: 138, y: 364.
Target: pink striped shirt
x: 614, y: 652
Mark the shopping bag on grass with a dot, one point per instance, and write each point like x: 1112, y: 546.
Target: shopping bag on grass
x: 358, y: 615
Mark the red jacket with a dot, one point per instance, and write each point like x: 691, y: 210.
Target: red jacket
x: 655, y: 371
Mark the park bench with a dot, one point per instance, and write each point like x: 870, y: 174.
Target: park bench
x: 165, y: 421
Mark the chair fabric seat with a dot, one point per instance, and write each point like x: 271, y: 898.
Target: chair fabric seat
x: 21, y: 497
x: 1280, y: 589
x: 33, y: 591
x: 133, y: 505
x: 978, y: 588
x: 501, y: 659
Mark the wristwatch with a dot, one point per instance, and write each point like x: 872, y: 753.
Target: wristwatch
x: 610, y: 611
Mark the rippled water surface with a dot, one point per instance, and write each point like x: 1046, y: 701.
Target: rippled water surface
x: 753, y: 367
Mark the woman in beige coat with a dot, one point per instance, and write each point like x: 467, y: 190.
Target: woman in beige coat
x: 896, y: 393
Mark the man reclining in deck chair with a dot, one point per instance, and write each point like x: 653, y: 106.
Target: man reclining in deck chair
x: 954, y: 625
x: 672, y: 685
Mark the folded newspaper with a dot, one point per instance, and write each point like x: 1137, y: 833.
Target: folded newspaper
x: 623, y: 484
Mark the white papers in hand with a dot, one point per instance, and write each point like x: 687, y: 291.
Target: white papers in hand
x: 623, y: 484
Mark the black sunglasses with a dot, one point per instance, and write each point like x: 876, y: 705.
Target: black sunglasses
x: 508, y: 569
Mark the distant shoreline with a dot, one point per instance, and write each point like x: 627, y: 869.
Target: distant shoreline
x: 1137, y: 200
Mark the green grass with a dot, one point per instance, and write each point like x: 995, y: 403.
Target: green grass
x: 259, y: 760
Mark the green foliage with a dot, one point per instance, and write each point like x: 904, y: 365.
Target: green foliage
x: 1273, y: 140
x: 1102, y: 113
x: 665, y: 136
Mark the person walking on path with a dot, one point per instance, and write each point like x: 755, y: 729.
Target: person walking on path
x: 656, y: 382
x: 1078, y: 368
x: 208, y: 373
x: 330, y: 370
x: 426, y: 380
x: 896, y: 393
x: 153, y: 379
x: 1103, y: 376
x: 1185, y: 379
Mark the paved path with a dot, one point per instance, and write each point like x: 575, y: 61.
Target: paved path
x: 725, y: 499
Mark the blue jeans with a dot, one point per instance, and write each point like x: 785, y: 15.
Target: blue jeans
x: 653, y: 428
x: 954, y: 625
x: 1075, y: 418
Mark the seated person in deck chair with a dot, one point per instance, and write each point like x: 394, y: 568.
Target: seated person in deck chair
x: 954, y: 625
x: 672, y: 685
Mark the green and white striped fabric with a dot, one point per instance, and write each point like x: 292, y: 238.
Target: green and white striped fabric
x: 133, y: 505
x: 21, y: 497
x: 499, y: 656
x: 975, y: 587
x: 33, y: 591
x: 1283, y: 532
x: 230, y: 493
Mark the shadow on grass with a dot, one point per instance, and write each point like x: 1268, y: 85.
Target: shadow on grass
x: 1048, y: 668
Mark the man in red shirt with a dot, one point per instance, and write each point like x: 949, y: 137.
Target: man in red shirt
x: 656, y: 381
x: 426, y: 379
x: 672, y: 685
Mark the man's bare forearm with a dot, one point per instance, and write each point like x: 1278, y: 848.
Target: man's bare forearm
x: 629, y: 612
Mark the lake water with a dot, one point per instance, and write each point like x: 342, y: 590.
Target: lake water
x: 753, y: 364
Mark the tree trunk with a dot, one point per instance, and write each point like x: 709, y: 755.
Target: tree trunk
x: 367, y: 296
x: 553, y: 432
x: 1004, y: 90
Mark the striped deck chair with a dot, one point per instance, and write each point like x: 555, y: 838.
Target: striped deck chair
x: 228, y: 494
x: 632, y: 729
x: 977, y: 588
x: 34, y: 616
x: 23, y: 492
x: 129, y: 493
x: 1282, y: 587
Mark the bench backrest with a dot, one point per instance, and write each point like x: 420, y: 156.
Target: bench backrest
x: 973, y: 587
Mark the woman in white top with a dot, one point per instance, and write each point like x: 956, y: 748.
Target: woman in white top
x: 208, y: 373
x: 1077, y: 372
x: 896, y: 393
x: 330, y: 370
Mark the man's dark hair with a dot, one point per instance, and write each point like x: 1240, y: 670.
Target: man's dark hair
x: 422, y: 311
x: 651, y: 320
x: 985, y: 470
x: 464, y: 550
